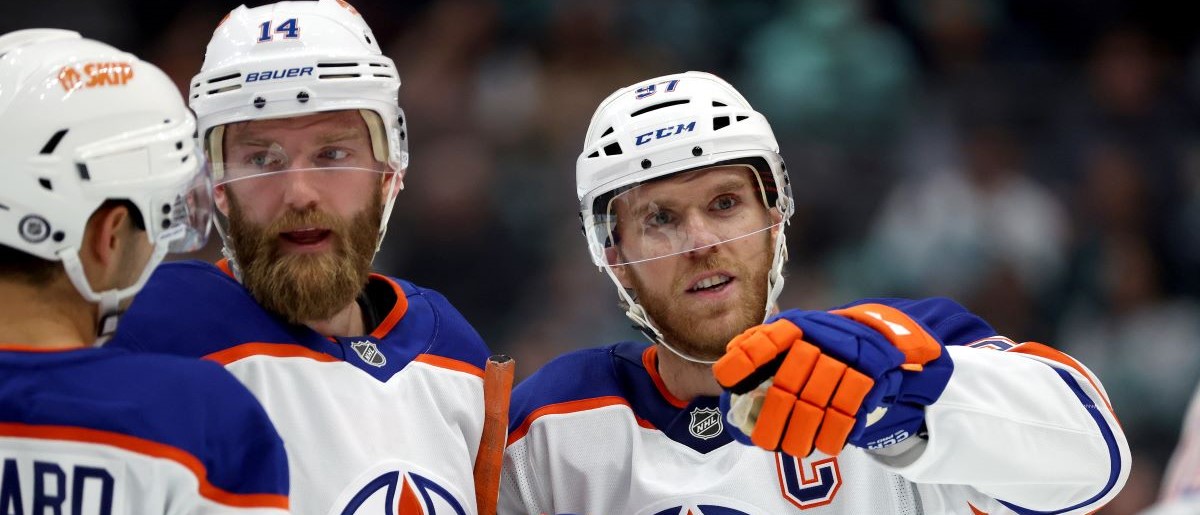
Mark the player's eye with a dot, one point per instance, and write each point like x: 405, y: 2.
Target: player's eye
x: 264, y: 160
x: 724, y: 202
x: 333, y: 154
x: 659, y: 218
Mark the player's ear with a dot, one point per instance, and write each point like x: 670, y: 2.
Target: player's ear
x: 622, y: 273
x: 220, y: 199
x: 106, y: 231
x: 392, y: 184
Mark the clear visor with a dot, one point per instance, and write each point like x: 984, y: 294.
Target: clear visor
x: 681, y: 213
x: 181, y: 218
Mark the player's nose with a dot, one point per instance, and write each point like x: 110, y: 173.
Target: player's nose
x: 300, y: 190
x: 702, y: 235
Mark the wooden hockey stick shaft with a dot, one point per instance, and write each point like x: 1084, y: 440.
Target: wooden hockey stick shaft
x: 497, y: 385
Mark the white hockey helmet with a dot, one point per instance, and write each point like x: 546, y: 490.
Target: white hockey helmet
x: 82, y: 123
x: 664, y: 126
x: 296, y: 58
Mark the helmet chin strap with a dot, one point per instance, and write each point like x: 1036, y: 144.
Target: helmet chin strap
x: 108, y: 302
x: 643, y: 323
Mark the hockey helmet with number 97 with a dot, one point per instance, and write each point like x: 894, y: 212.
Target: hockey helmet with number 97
x: 82, y: 123
x: 295, y: 58
x: 671, y: 125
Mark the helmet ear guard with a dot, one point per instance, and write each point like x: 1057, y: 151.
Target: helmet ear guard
x: 666, y: 126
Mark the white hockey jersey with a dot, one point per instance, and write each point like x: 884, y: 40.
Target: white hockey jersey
x: 1019, y: 429
x: 102, y: 431
x: 386, y: 422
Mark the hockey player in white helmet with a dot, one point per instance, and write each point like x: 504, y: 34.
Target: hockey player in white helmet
x: 99, y: 179
x: 372, y: 381
x: 883, y: 406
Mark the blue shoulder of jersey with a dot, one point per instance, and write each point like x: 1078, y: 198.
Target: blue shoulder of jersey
x: 944, y: 318
x: 192, y: 308
x: 451, y: 335
x: 574, y: 376
x: 191, y: 405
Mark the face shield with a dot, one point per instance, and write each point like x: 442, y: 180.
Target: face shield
x: 681, y: 213
x: 185, y: 216
x: 335, y: 160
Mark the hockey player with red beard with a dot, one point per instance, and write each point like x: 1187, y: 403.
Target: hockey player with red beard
x: 374, y: 383
x: 883, y: 406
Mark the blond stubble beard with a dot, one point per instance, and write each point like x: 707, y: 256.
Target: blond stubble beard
x: 689, y: 332
x: 304, y: 288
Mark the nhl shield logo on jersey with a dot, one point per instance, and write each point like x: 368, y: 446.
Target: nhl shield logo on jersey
x: 369, y: 353
x: 706, y: 423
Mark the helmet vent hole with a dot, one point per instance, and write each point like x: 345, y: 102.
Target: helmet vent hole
x: 368, y: 38
x: 607, y: 132
x: 718, y: 104
x: 336, y: 65
x: 340, y: 76
x: 656, y: 107
x: 646, y: 164
x: 52, y: 143
x: 224, y: 78
x: 720, y: 122
x: 178, y: 145
x: 400, y: 120
x: 403, y: 135
x: 46, y: 183
x: 594, y: 154
x: 58, y: 236
x: 232, y: 87
x: 83, y: 171
x: 612, y: 149
x: 740, y: 118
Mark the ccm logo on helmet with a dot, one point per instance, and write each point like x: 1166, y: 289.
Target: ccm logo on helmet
x: 665, y: 132
x: 95, y: 75
x: 282, y: 73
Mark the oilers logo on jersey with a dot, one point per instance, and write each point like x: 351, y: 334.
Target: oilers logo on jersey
x: 400, y: 489
x: 700, y: 505
x: 706, y: 423
x: 369, y: 353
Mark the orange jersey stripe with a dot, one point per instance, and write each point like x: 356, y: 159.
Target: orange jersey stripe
x: 147, y: 448
x: 1047, y: 352
x: 572, y: 407
x: 278, y: 350
x: 650, y: 361
x: 18, y: 347
x: 393, y: 317
x: 449, y: 363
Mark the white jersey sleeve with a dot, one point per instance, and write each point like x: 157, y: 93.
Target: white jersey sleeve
x: 1025, y: 425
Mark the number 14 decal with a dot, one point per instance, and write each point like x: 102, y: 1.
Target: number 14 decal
x: 288, y: 28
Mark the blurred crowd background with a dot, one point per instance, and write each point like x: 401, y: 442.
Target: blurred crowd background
x: 1037, y: 160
